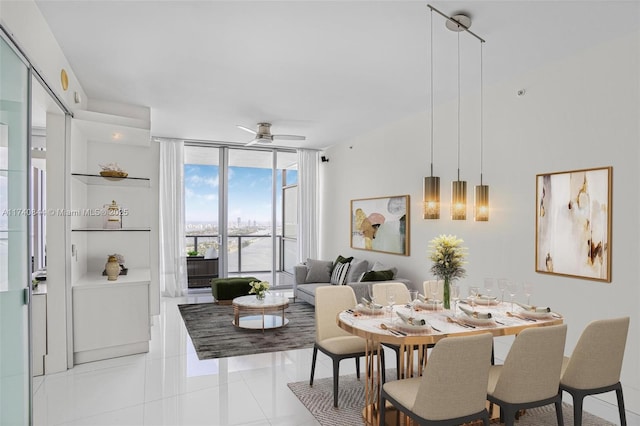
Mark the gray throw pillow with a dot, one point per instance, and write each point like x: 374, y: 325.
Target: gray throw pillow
x: 318, y: 271
x: 357, y: 268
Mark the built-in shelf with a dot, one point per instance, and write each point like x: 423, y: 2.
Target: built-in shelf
x: 129, y: 229
x: 107, y: 128
x: 91, y: 179
x: 140, y: 276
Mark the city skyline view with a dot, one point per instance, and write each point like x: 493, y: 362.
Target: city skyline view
x: 249, y: 195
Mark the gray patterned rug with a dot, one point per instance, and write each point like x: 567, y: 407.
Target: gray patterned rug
x: 213, y: 335
x: 319, y: 401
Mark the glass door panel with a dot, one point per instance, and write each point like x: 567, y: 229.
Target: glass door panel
x: 14, y: 328
x: 288, y: 169
x: 250, y: 230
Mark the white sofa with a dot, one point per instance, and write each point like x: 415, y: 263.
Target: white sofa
x: 306, y: 279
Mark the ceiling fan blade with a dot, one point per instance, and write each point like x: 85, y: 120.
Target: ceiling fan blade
x: 252, y: 142
x: 246, y: 129
x: 289, y: 137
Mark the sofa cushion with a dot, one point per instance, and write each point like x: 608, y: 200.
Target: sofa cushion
x: 379, y: 266
x: 357, y: 268
x: 339, y: 274
x: 342, y: 259
x: 318, y: 271
x: 377, y: 276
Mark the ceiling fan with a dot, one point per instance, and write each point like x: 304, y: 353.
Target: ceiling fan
x: 263, y: 135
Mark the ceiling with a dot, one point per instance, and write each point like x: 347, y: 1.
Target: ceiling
x: 329, y: 70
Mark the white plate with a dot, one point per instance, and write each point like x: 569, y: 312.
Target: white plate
x: 365, y: 310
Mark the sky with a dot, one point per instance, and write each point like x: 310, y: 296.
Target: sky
x: 249, y: 194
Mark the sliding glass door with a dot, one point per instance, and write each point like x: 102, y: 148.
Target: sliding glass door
x: 235, y: 208
x: 14, y: 280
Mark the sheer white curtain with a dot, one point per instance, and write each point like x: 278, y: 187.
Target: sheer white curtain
x: 308, y: 204
x: 173, y: 263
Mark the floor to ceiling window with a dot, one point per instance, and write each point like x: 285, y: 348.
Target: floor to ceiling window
x: 241, y: 208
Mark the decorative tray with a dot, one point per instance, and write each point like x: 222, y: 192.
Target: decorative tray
x: 113, y: 174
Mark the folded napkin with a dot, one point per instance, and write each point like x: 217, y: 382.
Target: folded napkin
x: 410, y: 320
x: 537, y: 309
x: 475, y: 314
x: 366, y: 302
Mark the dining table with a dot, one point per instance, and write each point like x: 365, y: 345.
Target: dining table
x: 381, y: 325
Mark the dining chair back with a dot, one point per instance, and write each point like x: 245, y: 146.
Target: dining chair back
x: 331, y: 340
x: 530, y: 375
x: 426, y: 288
x: 453, y: 387
x: 401, y: 292
x: 595, y: 364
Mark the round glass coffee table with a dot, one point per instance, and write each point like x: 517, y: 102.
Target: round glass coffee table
x: 260, y: 312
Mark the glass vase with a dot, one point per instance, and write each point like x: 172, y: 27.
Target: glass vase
x: 260, y: 296
x: 446, y: 293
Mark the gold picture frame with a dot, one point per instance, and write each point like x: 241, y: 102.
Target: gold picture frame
x: 381, y: 224
x: 573, y: 223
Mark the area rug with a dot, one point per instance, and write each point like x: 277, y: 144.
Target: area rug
x: 214, y: 336
x: 319, y: 401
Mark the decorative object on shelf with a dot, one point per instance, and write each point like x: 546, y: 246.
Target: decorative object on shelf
x: 120, y: 259
x: 448, y: 255
x: 381, y: 224
x: 573, y: 223
x: 112, y: 268
x: 113, y: 217
x: 259, y: 288
x: 112, y: 170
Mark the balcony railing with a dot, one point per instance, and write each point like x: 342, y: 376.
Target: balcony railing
x: 248, y: 253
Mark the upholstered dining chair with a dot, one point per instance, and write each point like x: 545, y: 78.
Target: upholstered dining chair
x: 452, y: 389
x: 426, y: 288
x: 402, y: 297
x: 331, y: 340
x: 595, y: 365
x: 530, y: 375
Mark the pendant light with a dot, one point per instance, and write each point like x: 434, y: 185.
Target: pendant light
x: 481, y: 212
x: 431, y: 189
x: 458, y: 187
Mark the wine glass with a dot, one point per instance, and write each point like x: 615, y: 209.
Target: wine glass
x: 502, y: 285
x: 512, y: 286
x: 489, y: 283
x: 433, y: 288
x: 372, y: 298
x: 454, y: 292
x: 473, y: 293
x: 391, y: 300
x: 413, y: 295
x: 527, y: 288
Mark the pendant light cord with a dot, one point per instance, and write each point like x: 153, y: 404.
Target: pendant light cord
x: 481, y: 114
x: 431, y: 89
x: 458, y: 105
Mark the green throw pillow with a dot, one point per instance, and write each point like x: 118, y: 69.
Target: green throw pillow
x: 342, y: 259
x: 377, y: 276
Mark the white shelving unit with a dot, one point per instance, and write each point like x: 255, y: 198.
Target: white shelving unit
x: 112, y: 318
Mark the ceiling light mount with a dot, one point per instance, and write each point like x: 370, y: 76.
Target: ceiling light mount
x: 458, y: 23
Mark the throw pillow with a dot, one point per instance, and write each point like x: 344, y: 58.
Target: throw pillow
x: 377, y: 276
x: 342, y: 259
x: 357, y: 268
x: 379, y: 266
x: 339, y: 274
x: 318, y: 271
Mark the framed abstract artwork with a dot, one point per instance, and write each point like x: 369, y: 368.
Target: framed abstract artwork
x: 573, y: 223
x: 381, y: 224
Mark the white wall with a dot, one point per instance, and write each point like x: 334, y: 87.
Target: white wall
x: 578, y: 113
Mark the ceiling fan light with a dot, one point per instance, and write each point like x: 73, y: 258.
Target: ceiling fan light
x: 431, y: 197
x: 459, y: 200
x: 481, y: 213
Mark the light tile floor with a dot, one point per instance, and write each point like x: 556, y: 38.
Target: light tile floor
x: 170, y: 386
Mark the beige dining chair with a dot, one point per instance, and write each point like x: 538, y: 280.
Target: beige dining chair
x: 402, y: 297
x: 530, y: 375
x: 453, y: 388
x: 331, y: 340
x: 595, y: 365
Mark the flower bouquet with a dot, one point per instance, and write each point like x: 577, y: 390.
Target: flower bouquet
x: 448, y: 256
x: 259, y: 288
